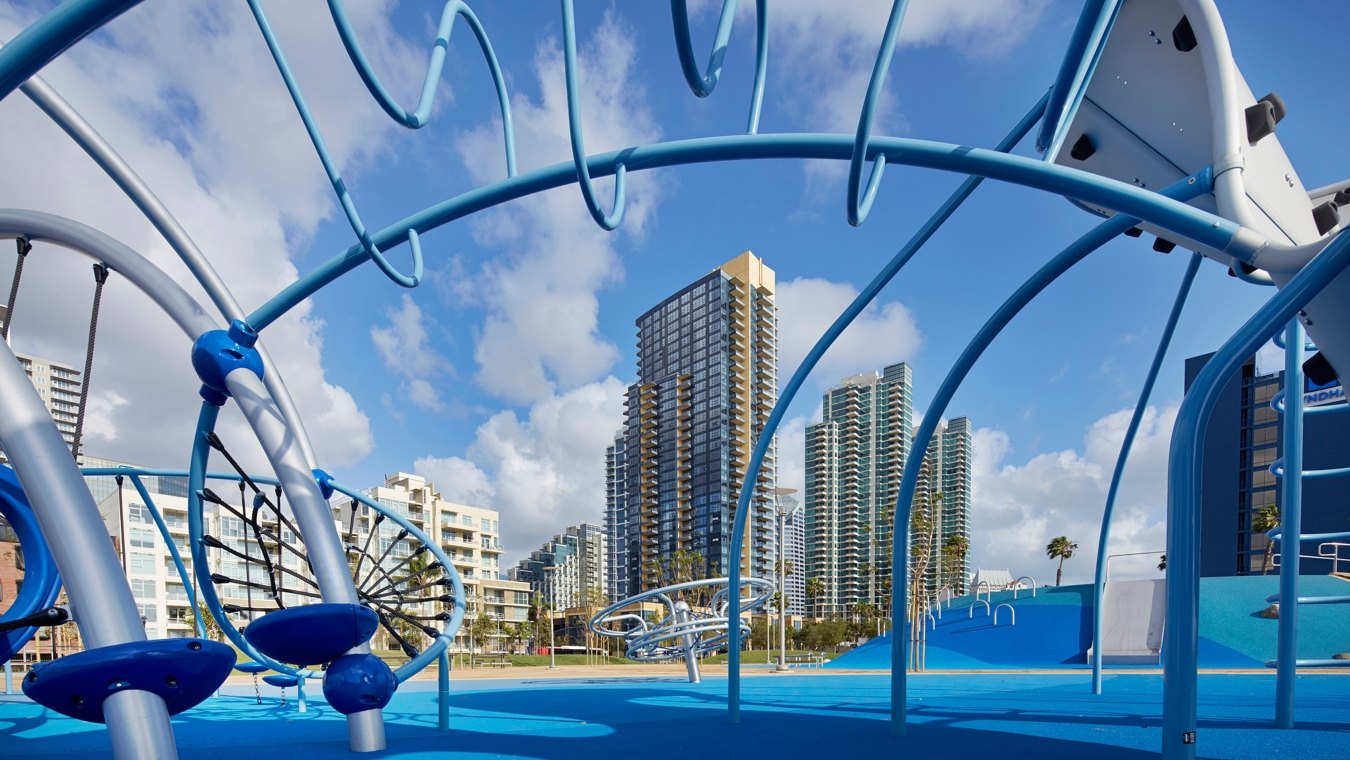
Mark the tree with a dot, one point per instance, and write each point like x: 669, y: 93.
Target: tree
x: 954, y: 551
x: 541, y: 619
x: 815, y: 589
x: 1063, y: 548
x: 1266, y: 519
x: 210, y: 627
x: 1162, y: 563
x: 480, y: 633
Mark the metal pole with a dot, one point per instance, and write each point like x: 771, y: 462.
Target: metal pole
x: 138, y: 721
x: 552, y: 604
x: 1291, y: 521
x: 443, y: 691
x: 782, y: 598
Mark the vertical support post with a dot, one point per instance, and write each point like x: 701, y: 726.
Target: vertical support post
x: 1291, y: 521
x: 300, y: 694
x: 689, y: 640
x: 443, y: 690
x: 9, y: 677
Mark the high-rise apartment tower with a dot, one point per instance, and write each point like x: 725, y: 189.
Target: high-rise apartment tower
x: 707, y: 379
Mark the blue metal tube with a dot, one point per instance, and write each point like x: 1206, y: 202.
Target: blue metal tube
x: 93, y: 472
x: 443, y: 690
x: 1291, y: 517
x: 1094, y: 23
x: 794, y: 384
x: 201, y: 452
x: 419, y: 117
x: 761, y: 64
x: 1099, y: 585
x: 1061, y: 263
x: 702, y: 85
x: 1277, y: 403
x: 1275, y: 599
x: 611, y: 220
x: 173, y: 552
x: 1278, y: 532
x: 1181, y: 634
x: 859, y: 205
x: 52, y: 35
x: 330, y: 168
x: 1191, y: 223
x: 1277, y: 468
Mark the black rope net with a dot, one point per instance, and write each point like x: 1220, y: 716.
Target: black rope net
x: 262, y: 566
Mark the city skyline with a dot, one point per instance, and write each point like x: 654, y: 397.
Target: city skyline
x: 486, y: 379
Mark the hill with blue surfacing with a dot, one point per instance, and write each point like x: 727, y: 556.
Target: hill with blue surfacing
x: 1054, y: 628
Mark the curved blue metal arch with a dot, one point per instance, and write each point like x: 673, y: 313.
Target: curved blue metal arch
x: 703, y: 84
x: 859, y: 201
x: 42, y: 582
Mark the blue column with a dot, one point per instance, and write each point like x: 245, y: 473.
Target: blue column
x: 1291, y: 520
x: 1181, y: 635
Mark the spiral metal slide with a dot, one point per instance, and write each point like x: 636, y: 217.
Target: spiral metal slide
x: 1221, y: 186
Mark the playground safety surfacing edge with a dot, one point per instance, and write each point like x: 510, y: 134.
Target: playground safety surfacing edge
x: 783, y: 716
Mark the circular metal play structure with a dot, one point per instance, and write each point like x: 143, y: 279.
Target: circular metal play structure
x: 1223, y: 188
x: 695, y: 621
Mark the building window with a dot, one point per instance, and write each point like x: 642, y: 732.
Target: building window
x: 142, y: 563
x: 142, y: 538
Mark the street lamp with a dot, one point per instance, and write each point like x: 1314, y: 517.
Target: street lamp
x: 552, y: 603
x: 785, y: 504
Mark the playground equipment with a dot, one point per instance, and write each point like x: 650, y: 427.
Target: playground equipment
x: 1220, y: 185
x: 686, y: 631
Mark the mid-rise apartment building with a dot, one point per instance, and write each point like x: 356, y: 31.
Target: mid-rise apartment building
x: 469, y: 536
x: 570, y: 570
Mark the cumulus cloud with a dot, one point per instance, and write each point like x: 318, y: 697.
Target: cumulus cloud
x: 543, y: 472
x: 404, y: 348
x: 1018, y: 508
x: 541, y: 336
x: 190, y: 98
x: 885, y: 332
x: 821, y: 59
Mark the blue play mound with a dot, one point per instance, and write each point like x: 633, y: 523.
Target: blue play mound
x: 1054, y: 628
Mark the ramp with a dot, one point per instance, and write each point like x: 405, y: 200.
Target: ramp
x: 1132, y: 622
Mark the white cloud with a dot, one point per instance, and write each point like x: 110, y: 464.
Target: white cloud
x: 820, y: 60
x: 883, y: 334
x: 406, y: 351
x: 1019, y: 508
x: 223, y: 147
x: 540, y: 336
x: 544, y: 472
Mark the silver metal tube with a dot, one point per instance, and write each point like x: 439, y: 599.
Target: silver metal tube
x: 133, y: 718
x: 690, y: 641
x: 37, y: 226
x: 103, y: 606
x: 327, y: 557
x: 312, y: 513
x: 365, y: 731
x: 120, y: 172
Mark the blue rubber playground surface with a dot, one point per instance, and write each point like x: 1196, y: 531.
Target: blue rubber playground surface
x: 817, y: 716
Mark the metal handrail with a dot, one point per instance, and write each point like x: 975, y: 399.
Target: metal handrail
x: 1015, y: 587
x: 1012, y: 612
x: 988, y: 589
x: 1110, y: 557
x: 971, y: 614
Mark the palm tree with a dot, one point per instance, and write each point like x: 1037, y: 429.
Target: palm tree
x: 1063, y: 548
x: 1266, y: 519
x: 954, y: 551
x: 815, y: 589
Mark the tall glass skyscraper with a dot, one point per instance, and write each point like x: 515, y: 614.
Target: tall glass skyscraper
x: 707, y: 379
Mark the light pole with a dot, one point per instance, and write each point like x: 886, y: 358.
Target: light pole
x: 785, y: 504
x: 552, y: 603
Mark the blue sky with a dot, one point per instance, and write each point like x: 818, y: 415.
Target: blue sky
x: 501, y: 377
